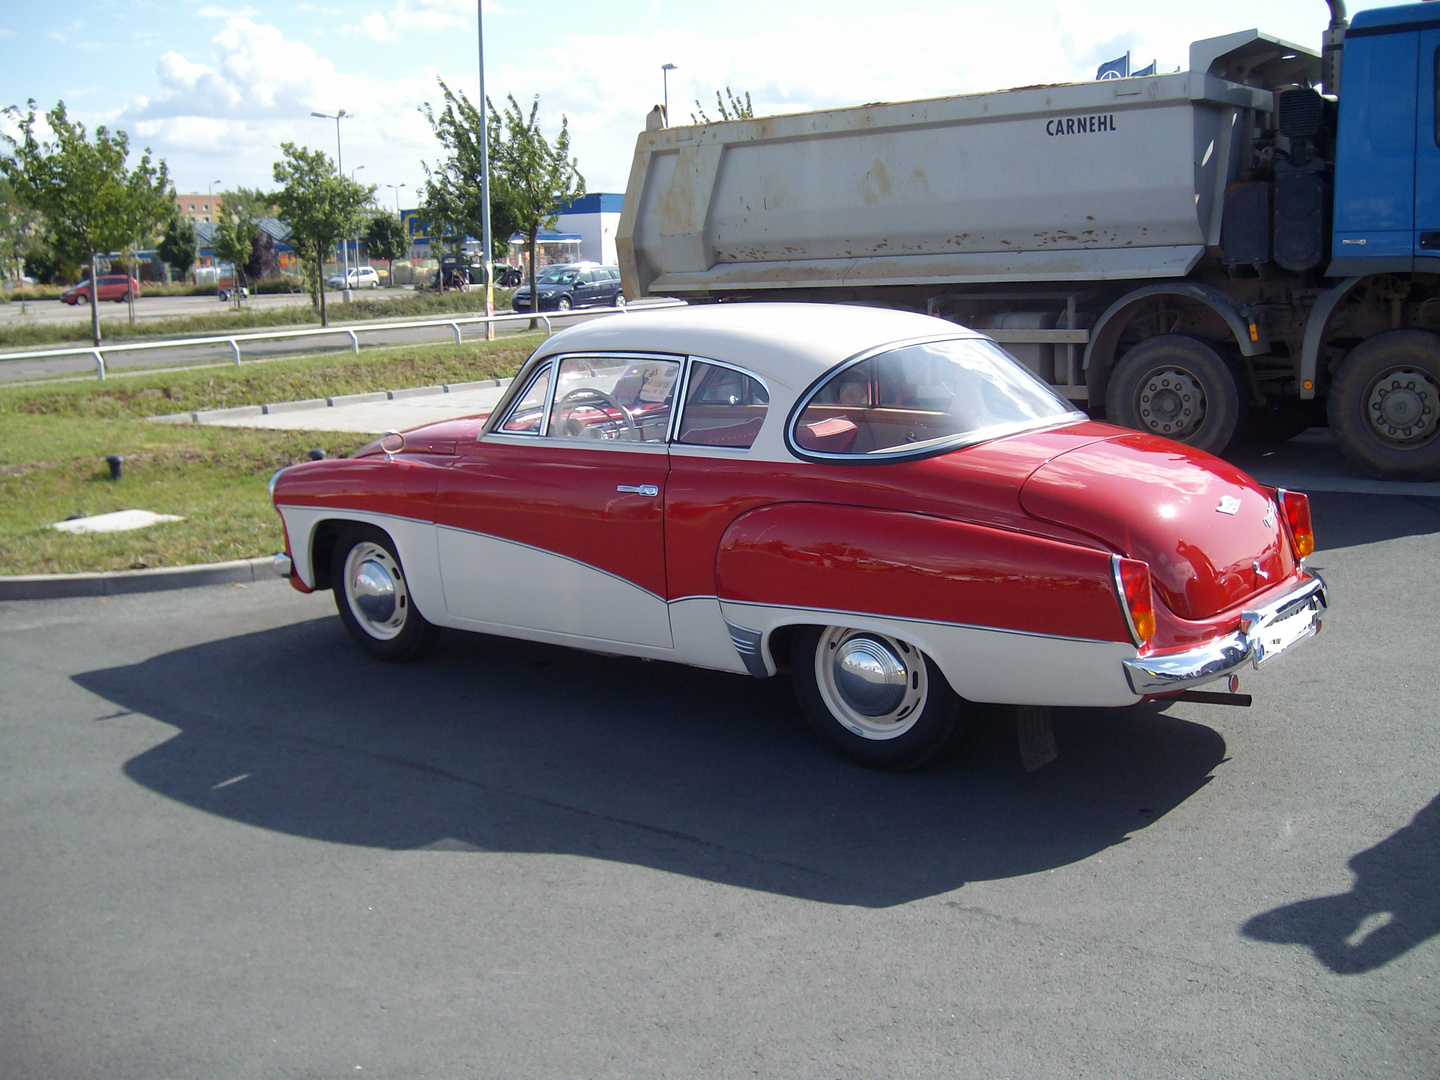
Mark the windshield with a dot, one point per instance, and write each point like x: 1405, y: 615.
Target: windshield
x: 914, y: 398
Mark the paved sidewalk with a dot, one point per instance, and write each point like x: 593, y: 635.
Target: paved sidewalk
x: 382, y: 411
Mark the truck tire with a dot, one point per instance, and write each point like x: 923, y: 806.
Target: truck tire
x: 1384, y: 405
x: 1179, y: 387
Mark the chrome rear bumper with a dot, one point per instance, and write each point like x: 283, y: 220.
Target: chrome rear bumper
x: 1264, y: 633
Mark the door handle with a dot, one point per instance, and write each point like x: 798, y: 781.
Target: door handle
x: 639, y: 489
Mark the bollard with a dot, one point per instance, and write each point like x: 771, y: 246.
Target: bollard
x: 236, y: 346
x: 456, y: 328
x: 99, y: 364
x: 114, y: 461
x: 316, y: 454
x: 354, y: 341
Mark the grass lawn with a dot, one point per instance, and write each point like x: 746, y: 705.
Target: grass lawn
x: 54, y: 439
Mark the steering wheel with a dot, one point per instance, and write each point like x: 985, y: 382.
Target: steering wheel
x: 585, y: 397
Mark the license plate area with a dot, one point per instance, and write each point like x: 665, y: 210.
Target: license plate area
x: 1288, y: 626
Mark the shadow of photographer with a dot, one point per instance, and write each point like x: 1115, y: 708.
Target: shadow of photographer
x: 501, y: 745
x: 1392, y: 907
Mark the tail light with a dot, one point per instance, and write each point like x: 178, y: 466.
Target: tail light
x: 1296, y: 508
x: 1132, y: 583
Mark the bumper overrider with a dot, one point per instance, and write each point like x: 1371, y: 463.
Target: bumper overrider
x: 1264, y: 633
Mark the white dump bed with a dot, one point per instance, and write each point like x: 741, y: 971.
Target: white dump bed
x: 1086, y: 181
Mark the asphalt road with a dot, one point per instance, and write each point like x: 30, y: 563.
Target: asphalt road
x: 231, y: 845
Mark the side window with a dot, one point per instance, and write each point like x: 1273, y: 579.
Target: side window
x: 529, y: 408
x: 613, y: 398
x: 723, y: 407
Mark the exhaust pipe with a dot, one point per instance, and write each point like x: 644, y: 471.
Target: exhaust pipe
x: 1332, y: 44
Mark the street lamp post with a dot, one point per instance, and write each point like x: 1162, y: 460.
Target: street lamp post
x: 353, y: 171
x: 665, y: 70
x: 339, y: 171
x: 485, y: 180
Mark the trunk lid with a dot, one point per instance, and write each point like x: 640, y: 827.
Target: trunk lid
x: 1212, y: 536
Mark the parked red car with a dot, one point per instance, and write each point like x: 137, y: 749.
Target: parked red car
x: 884, y: 504
x: 117, y: 287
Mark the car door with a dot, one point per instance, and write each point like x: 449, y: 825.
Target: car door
x: 554, y: 520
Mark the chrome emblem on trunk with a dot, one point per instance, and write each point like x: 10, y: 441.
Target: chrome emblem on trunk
x: 1269, y: 519
x: 1228, y: 505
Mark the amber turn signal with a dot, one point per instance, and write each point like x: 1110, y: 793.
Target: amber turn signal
x: 1297, y: 515
x: 1132, y: 582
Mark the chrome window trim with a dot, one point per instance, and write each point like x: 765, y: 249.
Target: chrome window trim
x: 496, y: 424
x: 932, y: 446
x: 678, y: 416
x: 630, y: 357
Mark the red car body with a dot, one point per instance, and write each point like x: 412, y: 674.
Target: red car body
x: 706, y: 494
x: 116, y: 287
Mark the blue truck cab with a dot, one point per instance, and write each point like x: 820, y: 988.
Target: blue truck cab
x: 1387, y: 153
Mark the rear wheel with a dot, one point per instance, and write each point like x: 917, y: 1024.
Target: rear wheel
x: 619, y: 300
x: 1384, y: 405
x: 877, y: 700
x: 1179, y: 387
x: 373, y: 599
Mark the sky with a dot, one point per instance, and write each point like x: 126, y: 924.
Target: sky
x: 215, y: 89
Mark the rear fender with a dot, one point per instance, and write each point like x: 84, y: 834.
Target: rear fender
x: 908, y: 566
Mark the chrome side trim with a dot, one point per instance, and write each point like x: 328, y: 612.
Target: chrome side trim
x: 1172, y: 672
x: 747, y: 644
x: 915, y: 619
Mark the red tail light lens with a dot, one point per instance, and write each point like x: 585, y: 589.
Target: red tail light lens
x: 1132, y: 582
x: 1296, y: 508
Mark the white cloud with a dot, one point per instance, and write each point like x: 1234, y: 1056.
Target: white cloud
x: 6, y: 32
x: 375, y: 26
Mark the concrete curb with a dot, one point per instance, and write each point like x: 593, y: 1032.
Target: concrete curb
x: 119, y: 582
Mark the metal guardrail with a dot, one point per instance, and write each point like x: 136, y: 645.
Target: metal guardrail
x: 234, y: 340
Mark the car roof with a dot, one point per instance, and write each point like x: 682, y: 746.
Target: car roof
x: 787, y: 345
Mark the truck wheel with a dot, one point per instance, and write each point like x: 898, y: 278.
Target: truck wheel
x: 372, y: 598
x: 1384, y: 405
x: 1179, y: 387
x: 877, y: 700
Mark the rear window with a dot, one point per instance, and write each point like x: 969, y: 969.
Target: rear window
x: 919, y: 398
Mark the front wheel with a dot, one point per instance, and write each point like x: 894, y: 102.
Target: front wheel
x: 1179, y: 387
x: 1384, y: 405
x: 563, y: 304
x: 372, y: 598
x: 875, y: 699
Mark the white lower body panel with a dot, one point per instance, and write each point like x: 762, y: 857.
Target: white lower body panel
x: 1003, y: 667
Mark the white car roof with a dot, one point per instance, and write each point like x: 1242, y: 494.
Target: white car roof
x: 787, y: 345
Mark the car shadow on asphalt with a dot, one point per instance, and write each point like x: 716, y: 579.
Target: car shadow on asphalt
x: 1391, y: 908
x: 1348, y: 519
x: 506, y: 746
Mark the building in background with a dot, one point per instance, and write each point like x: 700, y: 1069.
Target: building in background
x: 200, y: 208
x: 594, y: 219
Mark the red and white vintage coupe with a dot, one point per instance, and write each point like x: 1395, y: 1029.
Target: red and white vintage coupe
x: 884, y: 503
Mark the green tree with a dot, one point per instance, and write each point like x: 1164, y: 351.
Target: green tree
x: 179, y: 246
x: 251, y: 202
x: 319, y: 206
x: 92, y: 204
x: 20, y: 232
x: 234, y: 240
x: 532, y: 177
x: 452, y: 196
x: 734, y: 110
x: 386, y: 237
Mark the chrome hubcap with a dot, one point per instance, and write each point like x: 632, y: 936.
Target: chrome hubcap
x: 1171, y: 403
x: 1402, y: 405
x: 375, y: 590
x: 873, y: 684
